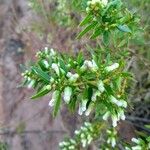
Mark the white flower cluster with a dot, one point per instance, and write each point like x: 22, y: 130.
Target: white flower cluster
x: 112, y: 67
x: 96, y: 4
x: 140, y: 144
x: 85, y: 134
x: 111, y: 137
x: 119, y: 103
x: 46, y: 53
x: 72, y: 77
x: 68, y: 145
x: 119, y: 114
x: 31, y: 82
x: 115, y: 117
x: 96, y: 93
x: 89, y: 65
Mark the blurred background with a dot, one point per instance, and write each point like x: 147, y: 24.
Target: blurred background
x: 27, y: 26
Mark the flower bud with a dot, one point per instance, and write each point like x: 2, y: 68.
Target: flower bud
x: 67, y: 94
x: 31, y: 83
x: 52, y: 80
x: 104, y: 2
x: 114, y: 120
x: 54, y: 98
x: 94, y: 96
x: 82, y: 107
x: 112, y: 67
x: 106, y: 115
x: 56, y: 68
x: 101, y: 86
x: 90, y: 108
x: 72, y: 77
x: 46, y: 50
x: 94, y: 66
x: 52, y: 52
x: 113, y: 142
x: 45, y: 63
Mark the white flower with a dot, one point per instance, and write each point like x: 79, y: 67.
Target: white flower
x: 45, y: 63
x: 95, y: 1
x: 88, y: 111
x: 112, y: 67
x: 84, y: 142
x: 113, y: 100
x: 122, y: 115
x: 89, y: 64
x: 114, y: 120
x: 89, y: 139
x: 72, y: 77
x: 104, y: 2
x: 135, y: 140
x: 106, y: 115
x: 31, y: 83
x: 51, y: 102
x: 94, y: 96
x: 101, y: 86
x: 138, y: 147
x: 94, y: 66
x: 87, y: 124
x: 122, y: 103
x: 67, y: 94
x: 54, y: 98
x: 52, y: 80
x: 77, y: 132
x: 72, y: 147
x: 82, y: 107
x: 113, y: 142
x: 46, y: 50
x: 56, y: 68
x: 52, y: 52
x: 69, y: 74
x: 87, y: 9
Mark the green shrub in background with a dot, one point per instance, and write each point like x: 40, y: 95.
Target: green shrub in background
x: 96, y: 84
x: 3, y: 146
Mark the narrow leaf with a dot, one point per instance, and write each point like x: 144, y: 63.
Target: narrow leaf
x: 43, y: 75
x: 87, y: 29
x: 42, y: 92
x: 106, y: 38
x: 96, y: 33
x: 86, y: 20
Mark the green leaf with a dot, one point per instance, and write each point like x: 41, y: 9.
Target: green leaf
x: 86, y: 20
x: 43, y: 92
x: 106, y: 38
x: 80, y: 58
x: 87, y: 29
x: 72, y: 104
x: 57, y: 104
x: 124, y: 28
x: 62, y: 65
x: 43, y: 75
x: 96, y: 33
x: 122, y: 43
